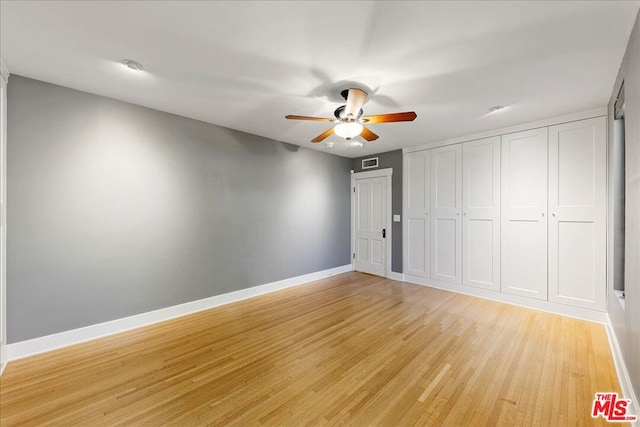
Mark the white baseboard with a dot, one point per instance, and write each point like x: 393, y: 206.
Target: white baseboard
x: 621, y: 369
x: 75, y: 336
x: 3, y: 356
x: 396, y: 276
x: 547, y: 306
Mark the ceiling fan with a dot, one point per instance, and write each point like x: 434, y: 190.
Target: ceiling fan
x: 349, y: 122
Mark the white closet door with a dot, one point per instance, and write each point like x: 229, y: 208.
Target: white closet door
x: 577, y: 205
x: 481, y: 213
x: 446, y: 207
x: 417, y: 225
x: 524, y: 214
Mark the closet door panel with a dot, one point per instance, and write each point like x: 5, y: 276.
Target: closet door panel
x: 481, y: 217
x: 445, y: 241
x: 577, y: 204
x: 417, y: 166
x: 446, y: 207
x: 479, y: 254
x: 417, y: 256
x: 417, y: 228
x: 524, y: 213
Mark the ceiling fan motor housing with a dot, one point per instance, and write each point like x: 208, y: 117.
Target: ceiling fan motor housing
x: 339, y: 113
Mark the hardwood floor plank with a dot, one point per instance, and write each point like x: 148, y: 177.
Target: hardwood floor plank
x: 352, y: 349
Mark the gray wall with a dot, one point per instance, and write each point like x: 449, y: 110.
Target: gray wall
x: 116, y: 209
x: 626, y: 323
x: 393, y: 160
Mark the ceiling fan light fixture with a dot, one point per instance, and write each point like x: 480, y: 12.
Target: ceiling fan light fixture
x: 348, y: 130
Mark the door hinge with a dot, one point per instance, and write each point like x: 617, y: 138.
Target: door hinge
x: 384, y: 233
x: 354, y: 255
x: 354, y: 189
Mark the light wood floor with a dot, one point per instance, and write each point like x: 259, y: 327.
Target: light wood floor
x: 352, y: 349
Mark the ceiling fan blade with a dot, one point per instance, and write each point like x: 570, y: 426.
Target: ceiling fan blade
x: 314, y: 119
x: 323, y: 135
x: 407, y: 116
x: 368, y: 135
x: 355, y: 100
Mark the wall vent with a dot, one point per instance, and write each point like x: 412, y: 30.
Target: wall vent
x: 370, y: 163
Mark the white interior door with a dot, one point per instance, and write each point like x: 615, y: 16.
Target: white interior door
x: 524, y: 214
x: 446, y: 207
x: 417, y: 257
x: 481, y: 213
x: 370, y: 225
x: 577, y: 207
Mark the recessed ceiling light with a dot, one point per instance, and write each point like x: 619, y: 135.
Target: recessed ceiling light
x: 496, y: 108
x: 133, y: 65
x: 329, y: 144
x: 356, y: 144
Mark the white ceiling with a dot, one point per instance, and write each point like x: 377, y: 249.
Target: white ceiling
x: 245, y: 65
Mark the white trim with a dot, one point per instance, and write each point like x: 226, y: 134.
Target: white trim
x: 387, y: 173
x: 4, y: 72
x: 597, y: 112
x: 4, y: 77
x: 63, y: 339
x: 550, y: 307
x: 396, y: 276
x: 405, y: 213
x: 621, y: 368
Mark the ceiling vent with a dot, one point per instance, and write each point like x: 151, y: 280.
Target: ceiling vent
x: 370, y: 163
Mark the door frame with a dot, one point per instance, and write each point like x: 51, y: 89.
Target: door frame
x: 4, y: 81
x: 386, y: 173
